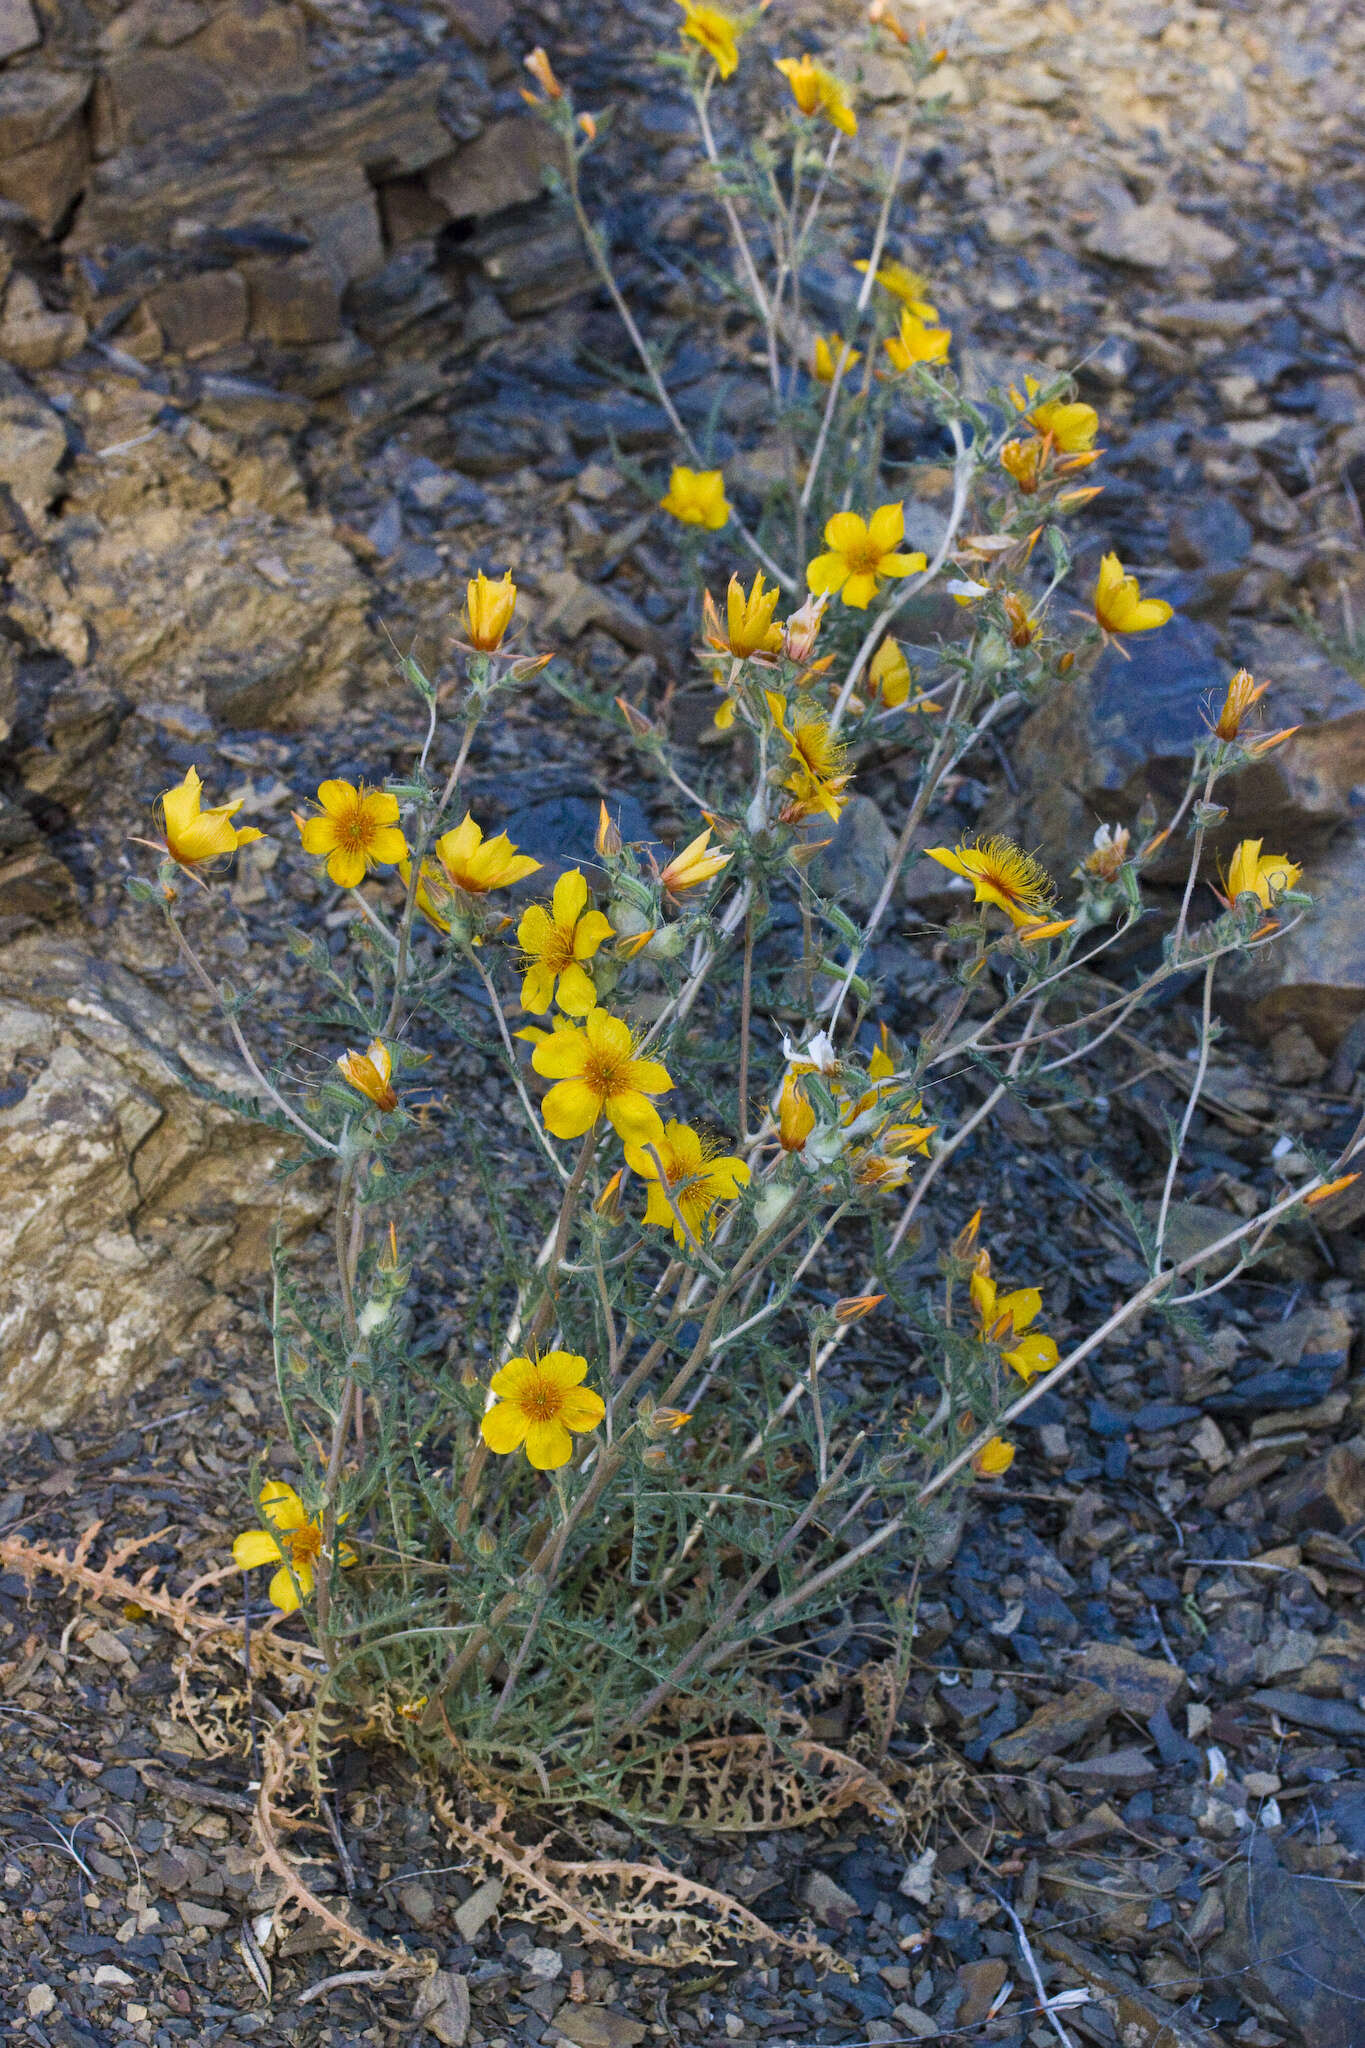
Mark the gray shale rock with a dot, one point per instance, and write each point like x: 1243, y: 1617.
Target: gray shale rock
x: 132, y: 1200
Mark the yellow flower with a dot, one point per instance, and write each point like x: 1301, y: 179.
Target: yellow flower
x: 833, y: 352
x: 1001, y: 873
x: 476, y: 864
x: 697, y: 863
x: 795, y: 1117
x: 1262, y: 875
x: 817, y: 91
x: 1118, y: 605
x: 293, y: 1541
x: 909, y: 286
x: 817, y: 777
x: 889, y: 674
x: 749, y: 619
x: 488, y: 610
x: 861, y: 552
x: 1024, y: 461
x: 192, y: 835
x: 1071, y: 427
x: 1003, y: 1317
x: 697, y: 497
x: 358, y: 830
x: 369, y: 1073
x: 556, y: 942
x: 993, y: 1458
x: 539, y: 1400
x: 918, y: 341
x: 597, y: 1072
x: 696, y: 1175
x: 718, y: 33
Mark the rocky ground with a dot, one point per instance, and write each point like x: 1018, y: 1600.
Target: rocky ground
x: 212, y: 535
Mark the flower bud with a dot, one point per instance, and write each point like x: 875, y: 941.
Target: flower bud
x: 607, y: 839
x: 486, y: 1543
x: 538, y: 64
x: 854, y: 1307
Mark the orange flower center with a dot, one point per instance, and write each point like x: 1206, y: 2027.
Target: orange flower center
x: 559, y: 948
x: 355, y: 829
x: 302, y: 1546
x: 541, y: 1399
x: 606, y: 1073
x: 862, y: 557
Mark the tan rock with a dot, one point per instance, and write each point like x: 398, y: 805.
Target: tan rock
x: 132, y: 1200
x: 32, y: 337
x: 32, y: 444
x: 45, y: 181
x: 1159, y: 237
x: 173, y: 597
x: 1313, y: 977
x: 19, y: 28
x: 295, y: 301
x: 36, y: 105
x: 203, y: 314
x: 502, y: 167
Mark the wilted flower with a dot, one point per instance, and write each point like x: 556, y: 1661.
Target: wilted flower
x: 860, y: 553
x: 802, y: 629
x: 488, y: 610
x: 1119, y: 606
x: 293, y: 1541
x: 697, y: 497
x: 369, y: 1073
x: 1262, y: 875
x: 917, y: 341
x: 717, y: 32
x: 1109, y: 851
x: 833, y: 353
x: 539, y: 1401
x: 697, y: 863
x: 193, y: 835
x: 597, y: 1072
x: 817, y: 91
x: 1330, y: 1188
x: 696, y: 1175
x: 1024, y: 627
x: 1001, y: 873
x: 556, y: 942
x: 358, y: 830
x: 817, y: 777
x: 1242, y: 693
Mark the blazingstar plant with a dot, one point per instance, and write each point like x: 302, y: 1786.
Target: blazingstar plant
x: 636, y: 1483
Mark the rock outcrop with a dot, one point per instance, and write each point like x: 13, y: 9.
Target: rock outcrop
x: 233, y: 182
x: 132, y: 1197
